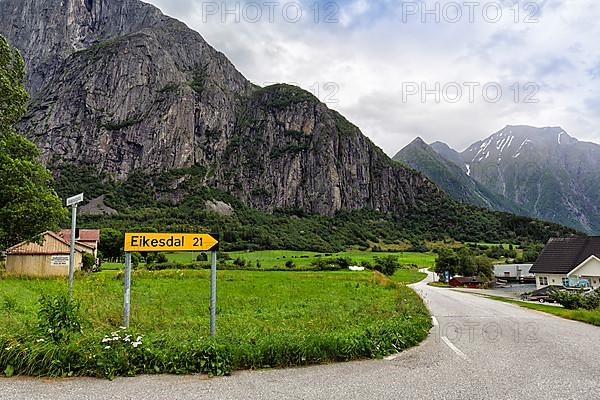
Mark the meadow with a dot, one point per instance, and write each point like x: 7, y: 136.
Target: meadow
x: 264, y: 319
x: 270, y: 259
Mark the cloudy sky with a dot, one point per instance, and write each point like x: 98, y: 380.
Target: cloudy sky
x: 442, y: 70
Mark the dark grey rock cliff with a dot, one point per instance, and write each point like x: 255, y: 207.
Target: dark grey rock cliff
x: 118, y: 86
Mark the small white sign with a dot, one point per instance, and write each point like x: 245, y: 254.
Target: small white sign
x: 59, y: 261
x: 75, y: 199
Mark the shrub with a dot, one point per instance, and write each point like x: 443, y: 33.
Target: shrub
x: 161, y: 258
x: 569, y: 300
x: 418, y: 247
x: 88, y: 261
x: 290, y: 264
x: 386, y: 265
x: 202, y: 257
x: 135, y: 259
x: 343, y: 262
x: 240, y: 262
x: 591, y: 301
x: 150, y: 258
x: 58, y: 317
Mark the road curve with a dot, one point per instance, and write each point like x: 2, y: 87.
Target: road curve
x: 478, y: 349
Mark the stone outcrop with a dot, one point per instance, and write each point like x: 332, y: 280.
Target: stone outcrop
x: 118, y: 86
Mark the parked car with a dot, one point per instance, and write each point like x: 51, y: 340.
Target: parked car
x: 542, y: 295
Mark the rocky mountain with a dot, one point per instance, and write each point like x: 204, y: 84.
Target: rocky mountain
x: 451, y: 177
x: 449, y: 154
x: 134, y: 105
x: 117, y: 87
x: 545, y: 171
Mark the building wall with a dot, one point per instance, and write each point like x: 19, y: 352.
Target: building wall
x: 38, y: 265
x: 500, y: 269
x: 553, y: 280
x: 590, y: 268
x: 556, y: 280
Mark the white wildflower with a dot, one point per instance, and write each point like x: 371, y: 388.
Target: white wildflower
x: 136, y: 344
x: 50, y: 330
x: 8, y: 348
x: 106, y: 347
x: 40, y: 340
x: 139, y: 338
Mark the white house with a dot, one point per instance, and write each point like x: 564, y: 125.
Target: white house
x: 569, y: 262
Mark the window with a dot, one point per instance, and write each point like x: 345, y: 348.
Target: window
x: 565, y: 282
x: 544, y: 280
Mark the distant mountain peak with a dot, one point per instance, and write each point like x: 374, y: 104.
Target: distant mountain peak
x: 450, y: 176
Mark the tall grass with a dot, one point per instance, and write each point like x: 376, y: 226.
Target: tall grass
x: 264, y: 320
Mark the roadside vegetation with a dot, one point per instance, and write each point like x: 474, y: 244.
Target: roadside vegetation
x: 264, y: 320
x: 282, y: 260
x: 588, y: 316
x: 464, y: 262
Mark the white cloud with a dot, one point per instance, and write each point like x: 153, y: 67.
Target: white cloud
x: 378, y: 46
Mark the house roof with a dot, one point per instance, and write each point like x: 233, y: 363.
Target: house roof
x: 562, y: 255
x: 85, y: 235
x: 29, y: 248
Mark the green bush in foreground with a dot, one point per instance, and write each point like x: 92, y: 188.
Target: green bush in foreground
x: 58, y: 318
x: 577, y: 300
x: 130, y: 354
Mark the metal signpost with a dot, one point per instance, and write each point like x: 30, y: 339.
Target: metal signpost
x: 155, y: 242
x: 73, y: 202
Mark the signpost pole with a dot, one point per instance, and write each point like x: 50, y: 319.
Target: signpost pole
x: 155, y: 242
x: 127, y: 300
x: 213, y: 292
x: 72, y: 252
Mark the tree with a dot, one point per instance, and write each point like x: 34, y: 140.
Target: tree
x: 386, y: 265
x: 111, y: 243
x: 28, y: 203
x: 447, y: 260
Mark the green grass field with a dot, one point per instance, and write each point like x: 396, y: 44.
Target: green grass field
x: 261, y: 316
x: 277, y: 258
x: 269, y: 259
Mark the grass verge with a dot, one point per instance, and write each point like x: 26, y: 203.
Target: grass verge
x: 439, y: 284
x: 589, y: 317
x: 264, y: 320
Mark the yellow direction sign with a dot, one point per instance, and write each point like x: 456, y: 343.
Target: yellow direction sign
x: 152, y: 242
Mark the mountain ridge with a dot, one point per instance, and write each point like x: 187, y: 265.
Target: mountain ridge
x: 137, y: 106
x: 451, y: 178
x: 545, y: 171
x: 129, y: 89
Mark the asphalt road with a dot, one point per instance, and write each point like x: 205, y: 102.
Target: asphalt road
x: 478, y: 349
